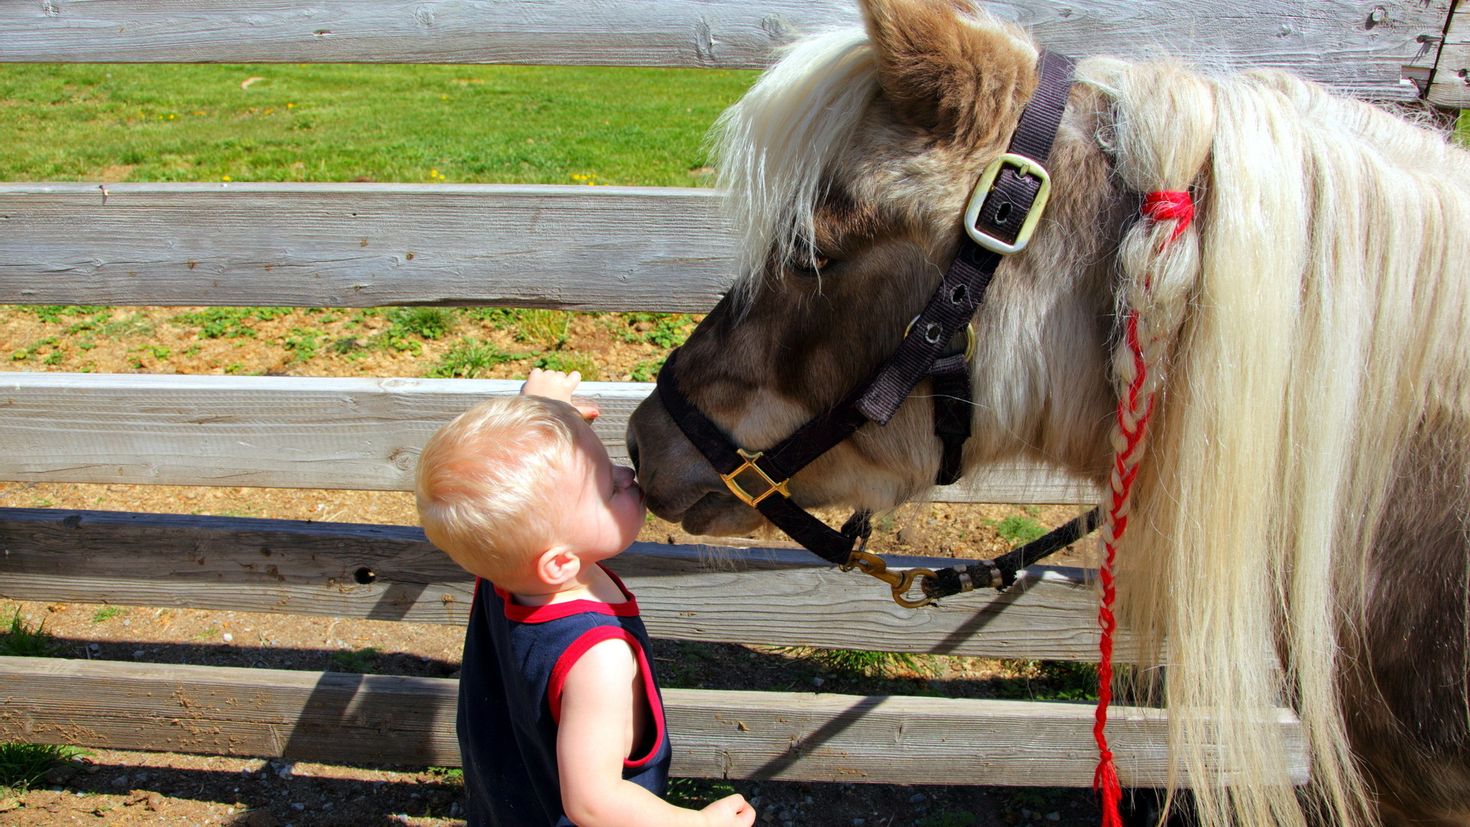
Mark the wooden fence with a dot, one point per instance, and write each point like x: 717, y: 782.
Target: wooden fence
x: 358, y: 245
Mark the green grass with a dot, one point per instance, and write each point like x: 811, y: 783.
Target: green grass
x: 1017, y: 529
x: 22, y: 765
x: 509, y: 124
x: 106, y: 613
x: 358, y: 661
x: 469, y: 358
x: 23, y: 640
x: 859, y: 663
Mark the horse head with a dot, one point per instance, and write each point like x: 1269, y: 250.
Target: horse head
x: 849, y: 165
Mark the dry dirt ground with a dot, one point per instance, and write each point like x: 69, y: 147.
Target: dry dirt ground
x: 108, y: 787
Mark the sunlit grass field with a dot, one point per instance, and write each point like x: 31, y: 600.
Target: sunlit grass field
x: 497, y: 124
x: 330, y: 123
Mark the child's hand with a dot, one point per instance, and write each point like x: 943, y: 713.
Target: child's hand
x: 731, y: 810
x: 553, y: 384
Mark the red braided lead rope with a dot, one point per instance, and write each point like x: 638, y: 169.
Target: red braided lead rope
x: 1157, y: 206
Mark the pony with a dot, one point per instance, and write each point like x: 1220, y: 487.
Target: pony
x: 1300, y: 515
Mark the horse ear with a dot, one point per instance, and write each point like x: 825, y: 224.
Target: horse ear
x: 948, y: 68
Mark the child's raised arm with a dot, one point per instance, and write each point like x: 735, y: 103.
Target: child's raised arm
x: 595, y: 734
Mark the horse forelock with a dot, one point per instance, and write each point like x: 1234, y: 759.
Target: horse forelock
x: 774, y: 148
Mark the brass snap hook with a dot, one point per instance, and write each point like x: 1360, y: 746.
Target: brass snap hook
x: 899, y: 582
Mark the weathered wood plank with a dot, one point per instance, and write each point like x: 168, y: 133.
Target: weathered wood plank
x: 753, y: 735
x: 1450, y: 84
x: 306, y: 432
x: 782, y: 597
x: 363, y: 245
x: 1339, y: 42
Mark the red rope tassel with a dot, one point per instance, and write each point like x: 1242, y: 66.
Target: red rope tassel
x: 1174, y: 206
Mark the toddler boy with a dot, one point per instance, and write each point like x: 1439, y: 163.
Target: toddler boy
x: 560, y: 717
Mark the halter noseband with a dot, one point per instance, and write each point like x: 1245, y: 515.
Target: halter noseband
x: 1003, y: 212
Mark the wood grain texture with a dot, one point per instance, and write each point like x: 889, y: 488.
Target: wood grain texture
x: 363, y: 245
x: 336, y: 717
x: 1338, y: 42
x: 783, y: 597
x: 309, y: 432
x: 1450, y: 84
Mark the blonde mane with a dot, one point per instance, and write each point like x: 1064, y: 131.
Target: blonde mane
x: 1319, y: 330
x: 773, y: 147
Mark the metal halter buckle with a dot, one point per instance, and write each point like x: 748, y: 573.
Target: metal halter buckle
x: 772, y: 487
x: 1026, y: 167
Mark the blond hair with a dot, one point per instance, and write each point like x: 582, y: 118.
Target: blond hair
x: 482, y: 485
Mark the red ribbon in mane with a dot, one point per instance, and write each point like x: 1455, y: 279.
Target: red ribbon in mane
x: 1165, y: 205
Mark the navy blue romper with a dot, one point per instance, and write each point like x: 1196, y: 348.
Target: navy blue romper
x: 516, y: 659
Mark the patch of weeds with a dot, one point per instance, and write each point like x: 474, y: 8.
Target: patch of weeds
x: 451, y: 775
x: 1048, y: 680
x: 546, y: 329
x: 568, y: 362
x: 21, y: 640
x: 697, y: 793
x: 234, y: 369
x: 94, y: 321
x: 229, y: 322
x: 135, y: 324
x: 30, y: 350
x: 349, y: 346
x: 500, y: 318
x: 302, y: 343
x: 22, y: 765
x: 106, y: 613
x: 208, y: 634
x: 468, y: 358
x: 857, y: 662
x: 358, y: 661
x: 1018, y: 529
x: 667, y: 330
x: 423, y: 322
x: 54, y: 313
x: 646, y: 371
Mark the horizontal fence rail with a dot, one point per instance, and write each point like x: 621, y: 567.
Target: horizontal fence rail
x: 363, y: 245
x: 308, y: 432
x: 336, y: 717
x: 781, y: 597
x: 1363, y: 49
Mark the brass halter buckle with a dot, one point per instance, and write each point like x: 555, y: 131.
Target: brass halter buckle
x: 1025, y: 167
x: 772, y: 487
x: 900, y: 582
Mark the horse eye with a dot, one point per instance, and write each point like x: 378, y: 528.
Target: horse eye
x: 809, y: 266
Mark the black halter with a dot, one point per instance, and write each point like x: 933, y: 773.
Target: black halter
x: 1003, y: 212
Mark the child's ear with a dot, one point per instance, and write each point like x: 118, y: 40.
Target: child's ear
x: 557, y: 565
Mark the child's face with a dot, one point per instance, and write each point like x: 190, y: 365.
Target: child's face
x: 602, y: 507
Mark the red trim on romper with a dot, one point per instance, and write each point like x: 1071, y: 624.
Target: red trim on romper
x: 556, y: 611
x: 579, y: 647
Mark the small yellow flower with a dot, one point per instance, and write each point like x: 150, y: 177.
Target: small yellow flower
x: 224, y: 178
x: 290, y: 105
